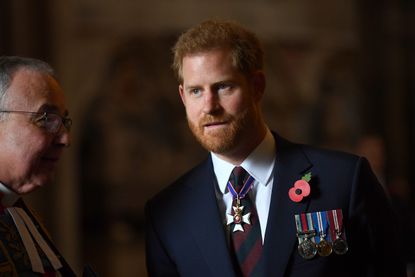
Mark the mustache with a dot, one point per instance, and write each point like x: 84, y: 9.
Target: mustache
x: 209, y: 119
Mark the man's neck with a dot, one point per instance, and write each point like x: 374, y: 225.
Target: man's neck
x: 239, y: 154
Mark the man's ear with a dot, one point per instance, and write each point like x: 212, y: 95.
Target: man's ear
x: 259, y: 83
x: 182, y: 96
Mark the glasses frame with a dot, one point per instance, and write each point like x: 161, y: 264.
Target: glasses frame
x: 65, y: 121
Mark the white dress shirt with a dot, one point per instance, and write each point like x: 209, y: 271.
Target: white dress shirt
x: 260, y: 165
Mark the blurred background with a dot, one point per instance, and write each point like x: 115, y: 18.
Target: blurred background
x: 341, y: 74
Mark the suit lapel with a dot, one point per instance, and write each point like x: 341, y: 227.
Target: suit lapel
x: 280, y: 237
x: 206, y: 225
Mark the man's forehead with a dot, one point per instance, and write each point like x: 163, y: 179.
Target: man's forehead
x: 34, y: 89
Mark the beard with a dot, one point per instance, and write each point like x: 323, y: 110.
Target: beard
x: 224, y: 139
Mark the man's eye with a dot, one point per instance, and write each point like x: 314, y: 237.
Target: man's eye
x: 41, y: 120
x: 195, y: 91
x: 224, y: 87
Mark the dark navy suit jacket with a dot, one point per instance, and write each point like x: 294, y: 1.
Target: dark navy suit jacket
x: 185, y: 234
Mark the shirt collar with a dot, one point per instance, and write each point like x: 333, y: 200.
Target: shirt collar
x: 259, y: 164
x: 7, y: 197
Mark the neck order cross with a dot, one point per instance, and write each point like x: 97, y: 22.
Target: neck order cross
x: 239, y: 185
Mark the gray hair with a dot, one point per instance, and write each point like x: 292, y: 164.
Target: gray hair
x: 9, y: 65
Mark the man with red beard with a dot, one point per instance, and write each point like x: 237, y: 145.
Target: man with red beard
x: 260, y: 205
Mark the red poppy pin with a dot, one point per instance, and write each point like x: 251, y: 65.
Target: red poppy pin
x: 301, y: 188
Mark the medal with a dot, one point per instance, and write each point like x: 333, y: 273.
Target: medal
x: 340, y: 246
x: 238, y: 218
x: 324, y: 248
x: 305, y: 232
x: 307, y: 249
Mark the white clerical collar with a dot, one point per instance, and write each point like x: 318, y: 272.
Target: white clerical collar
x: 8, y: 197
x: 259, y: 164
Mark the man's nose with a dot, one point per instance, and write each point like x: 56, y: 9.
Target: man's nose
x: 63, y: 137
x: 211, y: 102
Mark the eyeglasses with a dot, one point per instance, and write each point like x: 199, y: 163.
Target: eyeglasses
x: 51, y: 122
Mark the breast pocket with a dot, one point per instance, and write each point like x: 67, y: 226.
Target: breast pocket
x: 333, y: 265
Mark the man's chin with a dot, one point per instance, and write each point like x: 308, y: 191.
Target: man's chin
x: 216, y: 145
x: 26, y: 189
x: 217, y: 141
x: 33, y: 185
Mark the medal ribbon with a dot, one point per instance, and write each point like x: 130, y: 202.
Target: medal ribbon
x: 322, y: 224
x: 310, y: 225
x: 299, y: 228
x: 304, y: 223
x: 316, y: 225
x: 245, y: 188
x: 332, y: 230
x: 338, y: 220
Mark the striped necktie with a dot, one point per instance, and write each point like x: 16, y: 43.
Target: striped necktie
x: 246, y: 238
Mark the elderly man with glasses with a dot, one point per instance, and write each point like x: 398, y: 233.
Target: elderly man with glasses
x: 34, y: 130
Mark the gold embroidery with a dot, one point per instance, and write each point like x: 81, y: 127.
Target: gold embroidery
x: 13, y: 244
x: 7, y: 268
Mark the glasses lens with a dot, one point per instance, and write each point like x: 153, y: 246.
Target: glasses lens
x: 67, y: 122
x: 52, y: 122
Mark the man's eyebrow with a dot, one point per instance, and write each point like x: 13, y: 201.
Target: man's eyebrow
x: 52, y: 109
x: 223, y: 82
x: 190, y: 87
x: 48, y: 108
